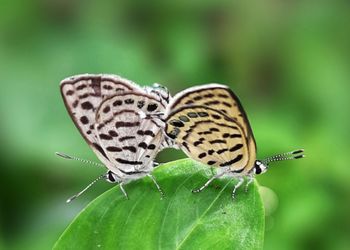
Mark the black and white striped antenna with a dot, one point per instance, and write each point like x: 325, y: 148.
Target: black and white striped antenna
x: 296, y: 154
x: 68, y: 157
x: 86, y: 188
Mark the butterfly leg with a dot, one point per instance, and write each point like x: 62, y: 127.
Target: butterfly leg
x: 240, y: 182
x: 157, y: 185
x: 207, y: 183
x: 250, y: 180
x: 123, y: 190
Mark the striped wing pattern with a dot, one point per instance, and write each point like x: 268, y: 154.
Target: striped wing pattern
x: 87, y: 98
x: 129, y: 138
x: 83, y: 94
x: 216, y: 96
x: 220, y: 99
x: 209, y: 136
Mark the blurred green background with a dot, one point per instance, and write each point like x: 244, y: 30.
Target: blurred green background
x: 287, y: 60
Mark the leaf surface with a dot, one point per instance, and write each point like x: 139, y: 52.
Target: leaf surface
x: 182, y: 220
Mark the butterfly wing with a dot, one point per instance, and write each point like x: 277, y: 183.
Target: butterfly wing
x: 216, y: 96
x: 209, y: 136
x: 221, y: 98
x: 128, y: 133
x: 83, y: 94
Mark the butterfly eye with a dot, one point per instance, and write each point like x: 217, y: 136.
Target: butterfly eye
x: 259, y: 167
x: 110, y: 177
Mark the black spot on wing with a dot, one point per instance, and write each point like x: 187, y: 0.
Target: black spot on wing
x: 105, y: 137
x: 192, y: 114
x: 236, y: 147
x: 117, y: 103
x: 215, y: 116
x: 223, y: 96
x: 222, y: 151
x: 126, y: 124
x: 123, y: 161
x: 176, y: 123
x: 70, y: 92
x: 84, y: 120
x: 152, y: 107
x: 83, y: 96
x: 80, y: 87
x: 87, y: 105
x: 146, y: 132
x: 227, y: 135
x: 212, y: 103
x: 106, y: 109
x: 107, y: 87
x: 129, y: 101
x: 227, y: 104
x: 113, y: 149
x: 75, y: 103
x: 210, y: 151
x: 210, y: 95
x: 217, y: 141
x: 112, y: 133
x: 124, y: 138
x: 202, y: 155
x: 184, y: 118
x: 234, y: 160
x: 203, y: 114
x: 130, y: 148
x: 197, y: 98
x: 140, y: 104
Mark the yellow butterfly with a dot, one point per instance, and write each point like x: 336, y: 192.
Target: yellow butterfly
x: 210, y: 125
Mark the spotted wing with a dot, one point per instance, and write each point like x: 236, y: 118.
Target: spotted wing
x: 216, y: 96
x: 209, y: 136
x: 128, y: 132
x: 221, y: 98
x: 83, y: 94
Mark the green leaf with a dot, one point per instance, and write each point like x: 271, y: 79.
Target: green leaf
x: 182, y: 220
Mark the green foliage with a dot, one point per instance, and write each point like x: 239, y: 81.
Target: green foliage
x: 182, y: 220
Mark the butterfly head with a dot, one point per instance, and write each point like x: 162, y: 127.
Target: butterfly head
x: 112, y: 177
x: 160, y: 91
x: 261, y: 166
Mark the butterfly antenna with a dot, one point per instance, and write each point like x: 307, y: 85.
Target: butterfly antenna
x: 68, y: 157
x: 296, y: 154
x: 87, y: 187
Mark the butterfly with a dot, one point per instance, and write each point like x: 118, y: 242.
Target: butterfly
x: 115, y: 117
x: 210, y: 125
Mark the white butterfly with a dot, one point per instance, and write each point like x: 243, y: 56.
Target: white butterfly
x: 116, y: 117
x: 210, y: 125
